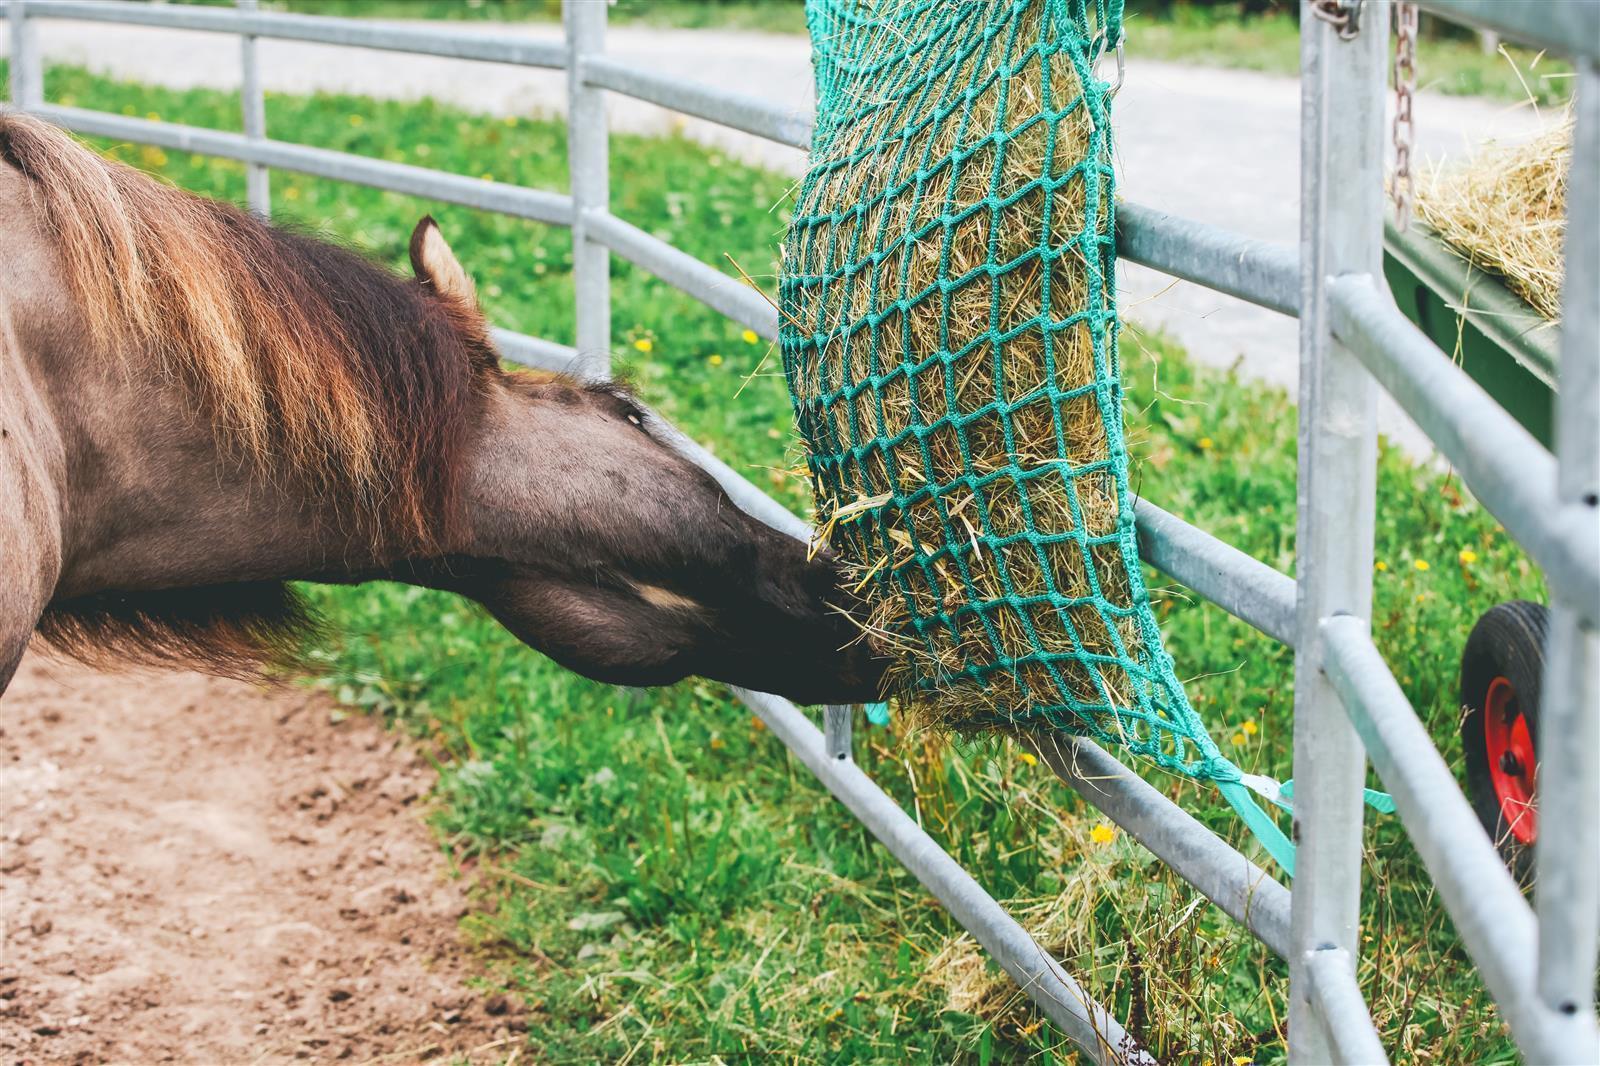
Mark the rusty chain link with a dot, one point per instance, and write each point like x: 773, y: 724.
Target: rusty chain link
x: 1405, y: 83
x: 1342, y: 15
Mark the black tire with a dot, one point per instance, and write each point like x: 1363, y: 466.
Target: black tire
x: 1508, y: 643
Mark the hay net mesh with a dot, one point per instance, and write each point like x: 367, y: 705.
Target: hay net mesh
x: 949, y: 336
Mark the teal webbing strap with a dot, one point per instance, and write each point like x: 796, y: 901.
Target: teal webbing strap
x: 1234, y: 788
x: 1260, y: 824
x: 1381, y: 802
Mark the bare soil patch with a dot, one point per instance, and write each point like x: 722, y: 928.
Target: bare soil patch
x: 199, y: 870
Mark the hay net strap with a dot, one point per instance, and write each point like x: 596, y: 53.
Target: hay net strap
x: 899, y: 71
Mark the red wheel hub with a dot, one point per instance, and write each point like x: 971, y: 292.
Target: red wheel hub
x: 1513, y: 764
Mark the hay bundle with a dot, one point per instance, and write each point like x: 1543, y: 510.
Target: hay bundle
x: 1159, y: 975
x: 1505, y: 211
x: 949, y: 337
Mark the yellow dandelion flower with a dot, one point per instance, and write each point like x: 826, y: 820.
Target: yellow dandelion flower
x: 152, y: 116
x: 291, y: 193
x: 1380, y: 566
x: 1206, y: 444
x: 749, y: 336
x: 1242, y: 1060
x: 486, y: 176
x: 357, y: 120
x: 1421, y: 564
x: 717, y: 744
x: 1467, y: 557
x: 1027, y: 757
x: 644, y: 344
x: 511, y: 120
x: 1248, y: 728
x: 715, y: 360
x: 1237, y: 740
x: 1102, y: 834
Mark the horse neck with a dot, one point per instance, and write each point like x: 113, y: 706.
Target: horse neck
x: 155, y: 498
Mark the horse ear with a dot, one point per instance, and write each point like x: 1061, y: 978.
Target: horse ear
x: 436, y: 265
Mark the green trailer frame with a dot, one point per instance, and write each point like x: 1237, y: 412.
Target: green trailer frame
x: 1501, y: 342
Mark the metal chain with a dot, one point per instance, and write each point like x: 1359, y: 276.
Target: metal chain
x: 1405, y: 83
x: 1342, y: 15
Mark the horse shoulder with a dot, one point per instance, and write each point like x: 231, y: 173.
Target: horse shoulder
x: 32, y: 473
x: 34, y: 317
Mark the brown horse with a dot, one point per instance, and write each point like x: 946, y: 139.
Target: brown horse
x: 197, y: 407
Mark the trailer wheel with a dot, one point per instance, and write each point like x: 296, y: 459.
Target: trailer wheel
x: 1500, y: 673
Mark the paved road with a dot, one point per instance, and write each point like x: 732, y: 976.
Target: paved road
x: 1217, y: 145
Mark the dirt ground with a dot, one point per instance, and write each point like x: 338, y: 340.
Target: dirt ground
x: 197, y: 870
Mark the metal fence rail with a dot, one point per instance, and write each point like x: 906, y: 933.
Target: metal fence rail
x: 534, y: 204
x: 1352, y: 339
x: 316, y: 29
x: 1255, y: 271
x: 734, y: 110
x: 1510, y: 472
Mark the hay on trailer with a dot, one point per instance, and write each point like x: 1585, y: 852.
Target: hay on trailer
x: 1504, y: 211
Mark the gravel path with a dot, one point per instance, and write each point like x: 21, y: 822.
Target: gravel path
x: 1217, y: 145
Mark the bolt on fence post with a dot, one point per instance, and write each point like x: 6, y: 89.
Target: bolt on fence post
x: 587, y: 158
x: 836, y: 730
x: 253, y: 103
x: 1567, y: 856
x: 27, y: 62
x: 1341, y: 232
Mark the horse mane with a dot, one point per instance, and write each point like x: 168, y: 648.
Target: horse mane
x: 311, y: 361
x: 231, y: 630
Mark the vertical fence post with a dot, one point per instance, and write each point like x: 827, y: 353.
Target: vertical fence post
x: 836, y: 730
x: 1568, y: 851
x: 253, y: 101
x: 1341, y: 232
x: 587, y: 157
x: 27, y: 62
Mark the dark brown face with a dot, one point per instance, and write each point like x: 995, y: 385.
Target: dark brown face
x: 624, y: 561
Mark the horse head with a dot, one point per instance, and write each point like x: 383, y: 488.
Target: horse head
x: 591, y: 536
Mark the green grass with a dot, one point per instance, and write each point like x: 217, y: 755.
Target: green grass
x: 657, y: 877
x: 1456, y: 66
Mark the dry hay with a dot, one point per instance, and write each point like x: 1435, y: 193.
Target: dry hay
x: 964, y: 525
x: 1143, y: 943
x: 1504, y: 211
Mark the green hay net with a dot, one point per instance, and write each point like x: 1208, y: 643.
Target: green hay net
x: 949, y: 336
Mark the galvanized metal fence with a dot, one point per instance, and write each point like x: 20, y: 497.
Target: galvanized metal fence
x: 1537, y: 961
